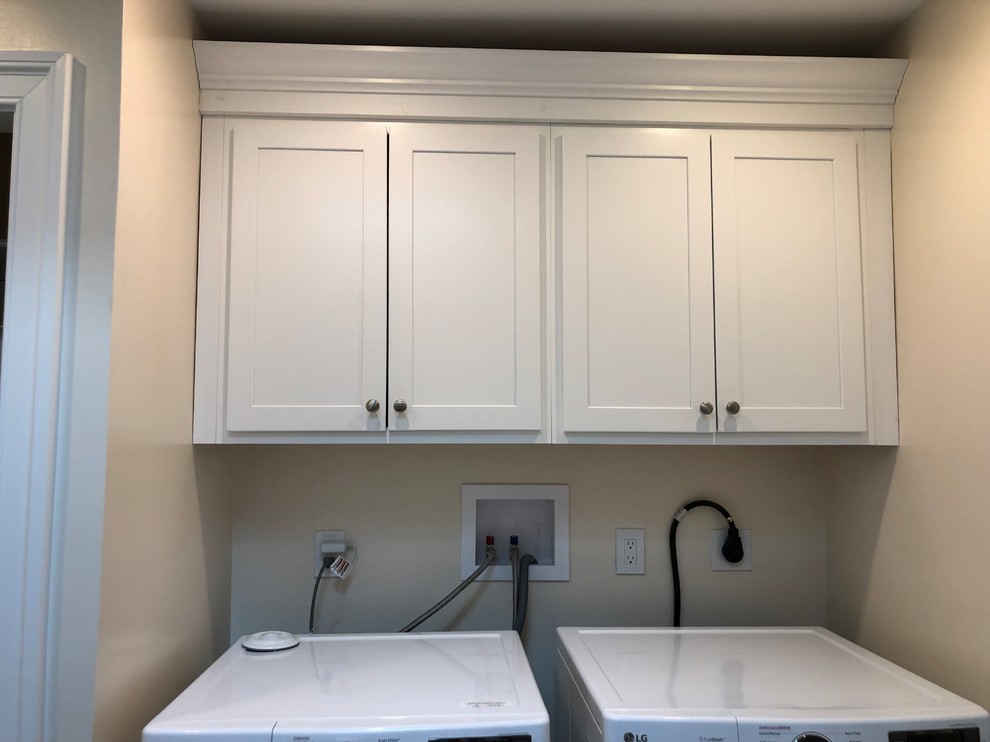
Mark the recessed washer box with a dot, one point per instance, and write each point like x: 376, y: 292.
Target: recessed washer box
x: 536, y: 513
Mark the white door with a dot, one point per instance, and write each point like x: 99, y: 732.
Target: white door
x: 466, y: 241
x: 636, y: 279
x: 788, y: 282
x: 307, y: 302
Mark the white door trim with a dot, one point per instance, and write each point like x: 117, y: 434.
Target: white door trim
x: 45, y: 91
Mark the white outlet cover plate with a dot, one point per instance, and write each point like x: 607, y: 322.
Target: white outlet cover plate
x: 637, y: 535
x: 718, y: 561
x: 551, y: 537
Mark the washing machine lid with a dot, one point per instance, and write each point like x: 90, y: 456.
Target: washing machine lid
x: 367, y: 686
x: 780, y: 674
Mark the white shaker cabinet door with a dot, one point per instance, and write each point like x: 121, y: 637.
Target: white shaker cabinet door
x: 466, y: 245
x: 788, y: 282
x: 635, y: 245
x: 307, y: 273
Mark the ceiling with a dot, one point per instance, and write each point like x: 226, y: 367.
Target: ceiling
x: 800, y: 27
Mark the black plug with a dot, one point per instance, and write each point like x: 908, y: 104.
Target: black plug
x: 732, y: 549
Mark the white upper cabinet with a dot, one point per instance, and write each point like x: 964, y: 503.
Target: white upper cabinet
x: 466, y: 247
x: 636, y: 280
x: 371, y: 281
x: 788, y: 282
x: 413, y: 244
x: 649, y: 221
x: 306, y: 326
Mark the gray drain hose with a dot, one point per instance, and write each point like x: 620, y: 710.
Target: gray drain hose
x: 523, y: 597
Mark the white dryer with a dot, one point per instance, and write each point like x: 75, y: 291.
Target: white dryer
x: 467, y: 686
x: 746, y: 685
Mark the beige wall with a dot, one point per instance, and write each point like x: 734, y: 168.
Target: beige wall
x: 908, y: 552
x: 905, y: 573
x: 400, y: 506
x: 90, y: 31
x: 164, y: 604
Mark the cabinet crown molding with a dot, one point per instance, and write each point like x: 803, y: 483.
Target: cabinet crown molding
x: 238, y: 78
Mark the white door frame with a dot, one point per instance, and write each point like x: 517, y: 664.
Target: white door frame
x: 45, y: 91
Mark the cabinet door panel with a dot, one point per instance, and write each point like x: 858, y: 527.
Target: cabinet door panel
x: 635, y: 247
x: 788, y: 285
x: 466, y: 234
x: 307, y: 276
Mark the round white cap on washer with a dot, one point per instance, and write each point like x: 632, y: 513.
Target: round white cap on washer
x: 270, y: 641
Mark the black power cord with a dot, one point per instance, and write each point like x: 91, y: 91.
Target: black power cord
x: 732, y: 549
x: 327, y: 561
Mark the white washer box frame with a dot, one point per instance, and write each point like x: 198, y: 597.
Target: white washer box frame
x: 559, y: 571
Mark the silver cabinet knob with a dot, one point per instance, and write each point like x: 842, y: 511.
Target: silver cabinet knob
x: 732, y: 408
x: 372, y: 405
x: 706, y: 408
x: 400, y: 405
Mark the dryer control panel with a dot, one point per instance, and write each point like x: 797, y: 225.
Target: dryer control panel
x: 951, y: 734
x: 864, y: 730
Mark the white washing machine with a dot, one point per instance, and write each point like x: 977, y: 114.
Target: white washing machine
x: 468, y: 687
x: 746, y: 685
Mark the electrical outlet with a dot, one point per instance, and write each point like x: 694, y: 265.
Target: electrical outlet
x: 327, y: 537
x: 718, y: 561
x: 629, y: 551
